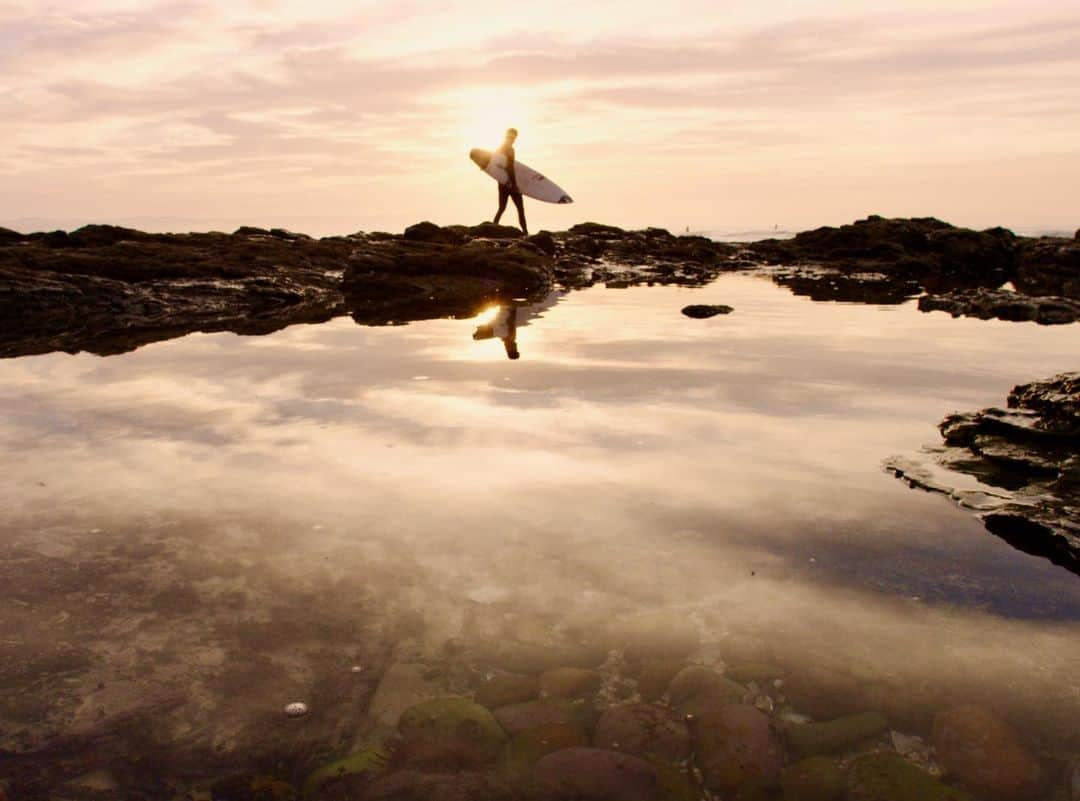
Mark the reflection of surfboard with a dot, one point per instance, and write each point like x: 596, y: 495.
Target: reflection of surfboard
x: 529, y: 181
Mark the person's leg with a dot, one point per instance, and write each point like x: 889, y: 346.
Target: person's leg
x: 504, y: 195
x: 519, y: 201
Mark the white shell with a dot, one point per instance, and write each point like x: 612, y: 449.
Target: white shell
x: 296, y: 710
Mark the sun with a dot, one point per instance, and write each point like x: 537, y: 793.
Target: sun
x: 484, y: 115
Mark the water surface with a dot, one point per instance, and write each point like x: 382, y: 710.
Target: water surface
x: 203, y: 530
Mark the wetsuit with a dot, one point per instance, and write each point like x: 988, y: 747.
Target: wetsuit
x: 511, y: 190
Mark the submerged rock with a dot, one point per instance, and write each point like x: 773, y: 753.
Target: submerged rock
x: 454, y: 720
x: 504, y: 689
x: 367, y: 763
x: 415, y: 785
x: 643, y: 729
x: 595, y: 774
x: 984, y: 753
x: 832, y: 736
x: 530, y: 746
x: 1028, y: 457
x: 517, y: 718
x: 570, y: 682
x: 736, y: 744
x: 889, y: 777
x: 814, y: 779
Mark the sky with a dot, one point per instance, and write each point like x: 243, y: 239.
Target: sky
x: 331, y: 116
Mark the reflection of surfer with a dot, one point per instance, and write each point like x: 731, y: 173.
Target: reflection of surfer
x: 510, y: 189
x: 505, y: 328
x: 510, y: 317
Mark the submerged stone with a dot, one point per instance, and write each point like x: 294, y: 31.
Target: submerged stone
x: 595, y: 774
x: 415, y: 785
x: 252, y: 788
x: 506, y: 688
x: 814, y: 779
x: 736, y: 744
x: 834, y: 735
x: 889, y: 777
x: 517, y: 718
x: 529, y: 747
x: 567, y: 682
x: 368, y: 762
x: 643, y: 729
x: 985, y: 753
x: 454, y: 720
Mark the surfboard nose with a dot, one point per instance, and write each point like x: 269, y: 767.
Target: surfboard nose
x: 481, y: 158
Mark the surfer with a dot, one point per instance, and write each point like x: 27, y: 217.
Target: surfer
x: 510, y: 189
x: 504, y: 326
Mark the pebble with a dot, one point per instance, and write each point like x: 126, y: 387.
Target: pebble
x: 297, y: 709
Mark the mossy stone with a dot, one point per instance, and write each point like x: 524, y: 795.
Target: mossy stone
x: 369, y: 760
x: 507, y: 688
x: 829, y: 737
x: 889, y: 777
x: 454, y: 719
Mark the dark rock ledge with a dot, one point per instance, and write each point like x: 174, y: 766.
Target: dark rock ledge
x: 1027, y: 461
x: 963, y: 272
x: 106, y: 289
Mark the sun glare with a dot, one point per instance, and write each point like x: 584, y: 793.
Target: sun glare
x: 484, y: 115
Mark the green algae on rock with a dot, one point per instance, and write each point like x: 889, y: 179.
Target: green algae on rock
x: 813, y: 779
x: 888, y: 776
x: 368, y: 762
x: 456, y: 720
x: 828, y: 737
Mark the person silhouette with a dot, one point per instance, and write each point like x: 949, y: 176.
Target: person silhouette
x: 504, y: 326
x: 510, y: 188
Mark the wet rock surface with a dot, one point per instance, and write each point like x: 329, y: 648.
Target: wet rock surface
x: 1027, y: 460
x: 888, y: 261
x: 107, y: 289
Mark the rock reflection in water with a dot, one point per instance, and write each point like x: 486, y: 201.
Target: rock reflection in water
x: 203, y: 531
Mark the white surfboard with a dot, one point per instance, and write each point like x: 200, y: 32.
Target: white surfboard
x: 529, y: 181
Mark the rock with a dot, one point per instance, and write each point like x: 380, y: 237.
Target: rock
x: 401, y: 687
x: 1030, y: 454
x: 985, y: 754
x: 430, y: 232
x: 760, y: 672
x: 530, y: 746
x: 889, y: 777
x: 644, y: 730
x: 454, y: 720
x: 544, y: 241
x: 503, y: 689
x: 835, y: 735
x: 656, y: 636
x: 596, y: 230
x: 736, y: 744
x: 987, y: 304
x: 414, y: 785
x: 517, y: 718
x: 697, y: 689
x: 537, y: 657
x: 9, y: 237
x: 368, y: 763
x: 251, y: 788
x: 814, y: 779
x: 594, y: 774
x: 824, y: 693
x: 570, y: 682
x: 656, y: 675
x: 702, y: 312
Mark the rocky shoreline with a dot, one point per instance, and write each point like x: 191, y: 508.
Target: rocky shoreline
x: 107, y: 290
x: 1029, y: 453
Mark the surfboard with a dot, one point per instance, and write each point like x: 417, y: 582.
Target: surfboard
x: 529, y: 181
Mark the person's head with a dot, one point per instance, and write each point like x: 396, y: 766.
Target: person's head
x: 511, y: 134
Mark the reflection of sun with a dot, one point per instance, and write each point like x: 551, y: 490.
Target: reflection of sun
x: 484, y: 115
x: 487, y: 316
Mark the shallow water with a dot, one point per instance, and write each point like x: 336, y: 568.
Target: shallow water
x: 206, y: 529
